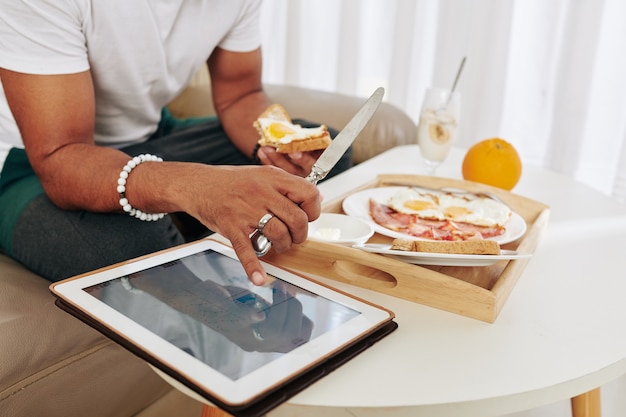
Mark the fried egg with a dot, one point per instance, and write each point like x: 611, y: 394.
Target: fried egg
x: 444, y: 206
x: 280, y: 131
x: 409, y: 201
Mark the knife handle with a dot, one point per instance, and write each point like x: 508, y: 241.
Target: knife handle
x: 316, y: 175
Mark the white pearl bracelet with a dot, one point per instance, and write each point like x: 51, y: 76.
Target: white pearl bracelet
x: 121, y: 188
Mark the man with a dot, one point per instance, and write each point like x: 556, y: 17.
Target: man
x: 84, y: 83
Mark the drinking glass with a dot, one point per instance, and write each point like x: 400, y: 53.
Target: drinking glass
x: 438, y: 124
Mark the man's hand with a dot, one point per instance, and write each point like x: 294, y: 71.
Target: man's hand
x: 232, y: 200
x: 297, y: 163
x: 239, y: 99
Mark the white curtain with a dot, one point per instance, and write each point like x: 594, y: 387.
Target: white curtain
x: 549, y: 76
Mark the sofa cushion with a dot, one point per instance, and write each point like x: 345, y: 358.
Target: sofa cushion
x: 51, y: 364
x: 389, y: 126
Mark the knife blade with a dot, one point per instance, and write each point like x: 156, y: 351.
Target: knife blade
x: 330, y: 156
x: 344, y: 139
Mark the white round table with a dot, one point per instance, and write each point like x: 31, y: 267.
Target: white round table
x: 560, y: 333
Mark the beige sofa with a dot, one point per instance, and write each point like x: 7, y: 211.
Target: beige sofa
x: 51, y: 364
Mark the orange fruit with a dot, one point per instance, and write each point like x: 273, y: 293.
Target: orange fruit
x: 493, y: 162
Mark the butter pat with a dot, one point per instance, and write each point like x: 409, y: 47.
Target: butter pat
x: 327, y: 233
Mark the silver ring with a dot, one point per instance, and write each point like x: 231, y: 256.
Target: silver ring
x: 256, y: 333
x: 260, y: 242
x: 264, y: 220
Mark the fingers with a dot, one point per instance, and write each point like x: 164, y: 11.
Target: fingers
x: 288, y: 226
x: 249, y: 260
x: 297, y: 163
x: 282, y: 238
x: 244, y: 196
x: 293, y: 205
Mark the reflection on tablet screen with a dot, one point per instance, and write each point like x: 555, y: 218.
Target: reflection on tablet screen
x: 205, y: 305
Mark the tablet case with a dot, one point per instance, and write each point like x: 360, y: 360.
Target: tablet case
x: 259, y: 406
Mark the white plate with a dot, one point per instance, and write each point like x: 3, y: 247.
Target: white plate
x: 357, y: 205
x: 442, y: 259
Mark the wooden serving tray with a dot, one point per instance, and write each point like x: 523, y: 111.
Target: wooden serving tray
x: 477, y: 292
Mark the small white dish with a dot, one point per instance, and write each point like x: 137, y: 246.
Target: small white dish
x: 340, y: 229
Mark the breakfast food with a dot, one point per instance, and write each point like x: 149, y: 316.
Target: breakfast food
x: 494, y: 162
x: 441, y: 216
x: 465, y: 247
x: 277, y: 130
x: 328, y: 233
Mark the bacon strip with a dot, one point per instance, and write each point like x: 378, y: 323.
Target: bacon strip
x: 388, y: 217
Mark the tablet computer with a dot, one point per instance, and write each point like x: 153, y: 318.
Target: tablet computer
x: 192, y: 313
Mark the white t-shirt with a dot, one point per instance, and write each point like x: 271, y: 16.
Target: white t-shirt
x: 141, y: 53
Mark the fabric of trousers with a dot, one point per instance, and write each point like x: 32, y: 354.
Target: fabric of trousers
x: 58, y: 244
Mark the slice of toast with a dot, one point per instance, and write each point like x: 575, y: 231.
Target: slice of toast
x: 300, y: 140
x: 274, y: 112
x: 459, y: 247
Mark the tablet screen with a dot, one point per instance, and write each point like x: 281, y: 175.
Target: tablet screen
x: 206, y: 306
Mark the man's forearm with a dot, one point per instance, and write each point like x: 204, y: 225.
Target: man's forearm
x: 92, y: 184
x: 237, y: 120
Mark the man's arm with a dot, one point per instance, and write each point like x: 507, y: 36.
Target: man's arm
x: 238, y: 94
x: 239, y: 99
x: 56, y: 116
